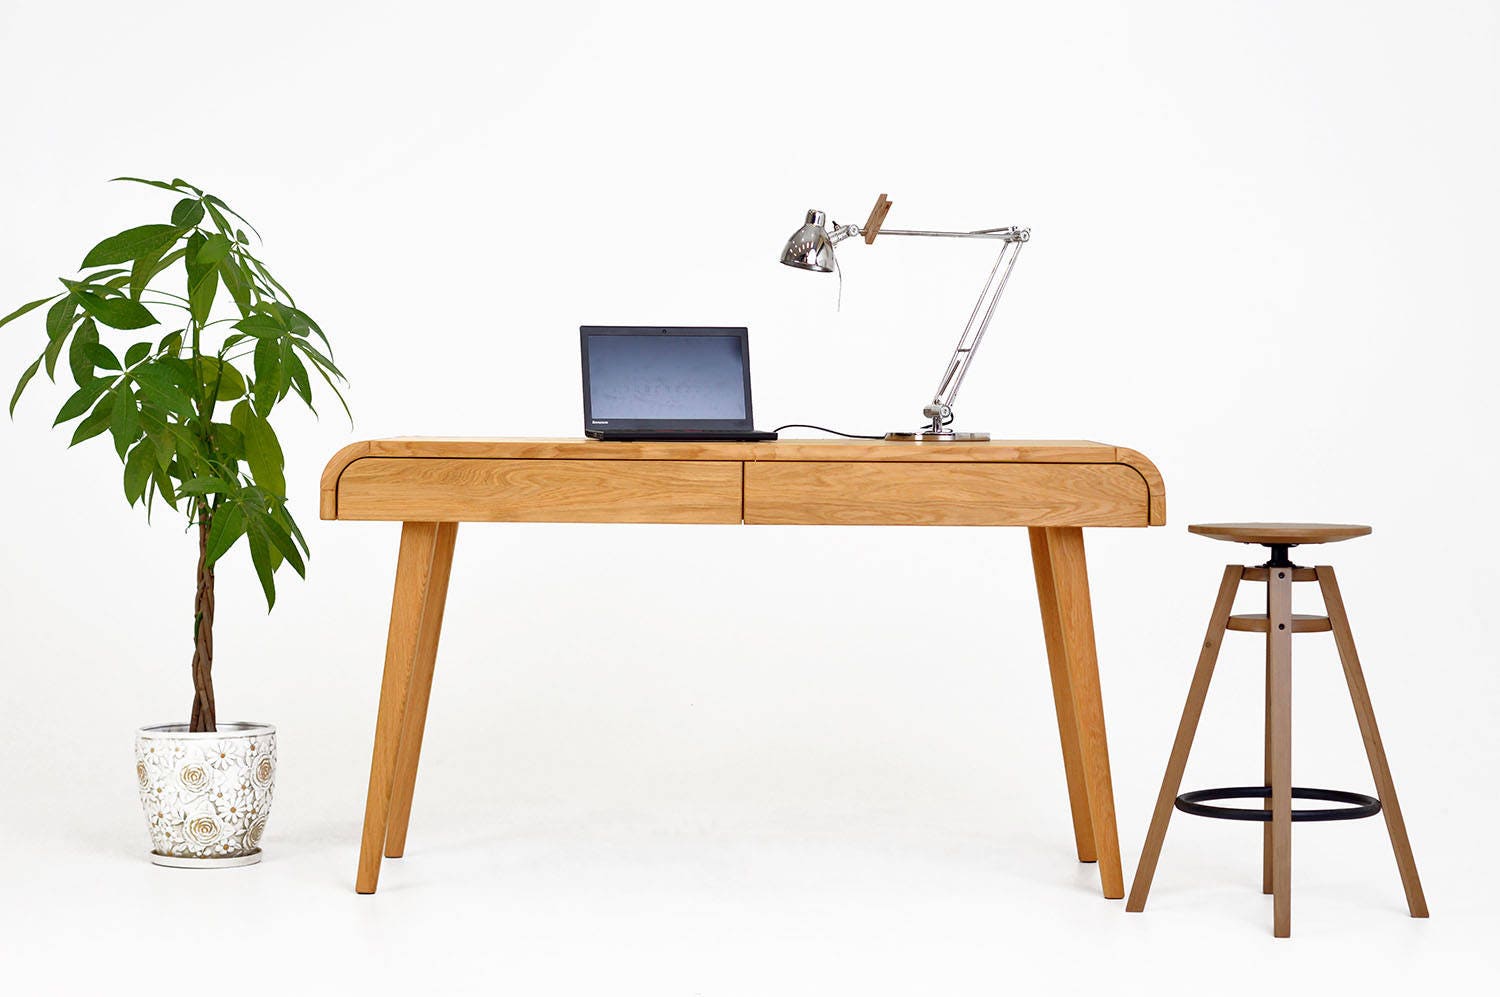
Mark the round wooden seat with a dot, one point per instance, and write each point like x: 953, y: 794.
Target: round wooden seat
x: 1280, y: 534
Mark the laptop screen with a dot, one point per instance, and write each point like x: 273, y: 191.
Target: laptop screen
x: 673, y: 378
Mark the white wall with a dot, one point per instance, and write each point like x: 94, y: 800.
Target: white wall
x: 1263, y: 254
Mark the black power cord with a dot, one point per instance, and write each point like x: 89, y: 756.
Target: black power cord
x: 835, y: 432
x: 825, y: 429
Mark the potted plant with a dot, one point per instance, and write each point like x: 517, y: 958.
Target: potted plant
x: 188, y: 412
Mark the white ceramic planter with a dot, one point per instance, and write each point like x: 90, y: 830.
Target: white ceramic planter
x: 206, y: 796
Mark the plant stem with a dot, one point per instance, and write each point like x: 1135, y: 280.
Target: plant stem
x: 203, y: 718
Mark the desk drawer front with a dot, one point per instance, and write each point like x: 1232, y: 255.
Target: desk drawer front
x: 894, y: 494
x: 540, y: 491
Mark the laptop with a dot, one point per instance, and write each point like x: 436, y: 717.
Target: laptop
x: 654, y: 383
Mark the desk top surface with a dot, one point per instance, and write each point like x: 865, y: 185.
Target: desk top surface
x: 544, y: 448
x: 424, y: 454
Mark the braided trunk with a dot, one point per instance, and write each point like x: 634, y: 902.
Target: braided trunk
x: 203, y: 635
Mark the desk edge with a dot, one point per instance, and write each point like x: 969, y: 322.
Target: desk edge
x: 329, y: 484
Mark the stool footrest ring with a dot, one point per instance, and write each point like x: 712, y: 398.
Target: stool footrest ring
x: 1359, y: 805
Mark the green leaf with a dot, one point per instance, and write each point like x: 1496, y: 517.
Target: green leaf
x: 317, y: 358
x: 150, y: 183
x: 212, y: 200
x: 228, y: 441
x: 125, y: 420
x: 170, y: 343
x: 138, y: 467
x: 336, y: 393
x: 236, y: 283
x: 78, y: 359
x: 145, y: 269
x: 214, y: 249
x: 281, y: 541
x: 262, y: 451
x: 79, y: 401
x: 102, y: 356
x: 21, y: 384
x: 267, y: 373
x: 182, y: 374
x: 60, y: 317
x: 160, y: 386
x: 300, y: 379
x: 97, y: 422
x: 228, y: 525
x: 204, y: 486
x: 261, y: 557
x: 153, y: 421
x: 302, y: 317
x: 282, y: 516
x: 213, y: 371
x: 187, y: 212
x: 39, y: 302
x: 131, y: 244
x: 136, y: 353
x: 261, y: 327
x: 164, y: 486
x: 59, y: 323
x: 240, y: 416
x: 203, y: 279
x: 102, y: 276
x: 272, y: 282
x: 117, y: 313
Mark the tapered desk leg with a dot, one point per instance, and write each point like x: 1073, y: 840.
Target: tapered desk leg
x: 1062, y: 696
x: 413, y: 569
x: 421, y: 691
x: 1070, y: 582
x: 1171, y: 783
x: 1380, y: 768
x: 1279, y: 641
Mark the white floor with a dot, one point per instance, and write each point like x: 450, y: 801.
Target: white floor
x: 705, y: 887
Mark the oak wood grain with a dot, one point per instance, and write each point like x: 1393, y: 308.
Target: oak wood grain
x: 1070, y: 581
x: 540, y: 491
x: 846, y: 493
x: 1380, y: 767
x: 1062, y: 696
x: 1280, y: 533
x: 413, y: 569
x: 1279, y: 651
x: 876, y: 451
x: 414, y: 722
x: 1298, y: 623
x: 1187, y: 729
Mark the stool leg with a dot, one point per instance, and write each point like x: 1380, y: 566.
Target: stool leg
x: 1279, y: 653
x: 1380, y: 768
x: 1266, y: 848
x: 1177, y: 761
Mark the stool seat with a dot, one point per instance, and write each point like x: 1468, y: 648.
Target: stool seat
x: 1280, y: 533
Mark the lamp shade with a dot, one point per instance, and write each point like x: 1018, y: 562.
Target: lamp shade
x: 809, y: 248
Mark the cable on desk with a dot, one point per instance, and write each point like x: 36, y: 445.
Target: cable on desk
x: 825, y: 429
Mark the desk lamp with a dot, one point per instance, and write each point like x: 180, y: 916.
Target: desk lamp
x: 811, y: 248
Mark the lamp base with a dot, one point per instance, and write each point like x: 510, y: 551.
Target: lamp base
x: 942, y: 437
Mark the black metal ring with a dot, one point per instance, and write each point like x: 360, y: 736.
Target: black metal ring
x: 1359, y: 806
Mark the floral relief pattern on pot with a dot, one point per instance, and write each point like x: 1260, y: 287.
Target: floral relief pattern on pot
x: 206, y: 796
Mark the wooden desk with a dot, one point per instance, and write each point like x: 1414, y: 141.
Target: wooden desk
x: 1053, y: 487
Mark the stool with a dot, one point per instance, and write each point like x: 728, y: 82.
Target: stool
x: 1278, y: 624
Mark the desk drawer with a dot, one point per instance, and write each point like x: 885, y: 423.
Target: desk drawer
x: 436, y: 489
x: 944, y: 494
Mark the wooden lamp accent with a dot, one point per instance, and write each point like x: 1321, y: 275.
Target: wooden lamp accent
x: 877, y: 219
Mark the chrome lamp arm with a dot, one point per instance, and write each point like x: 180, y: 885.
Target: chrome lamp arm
x: 811, y: 248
